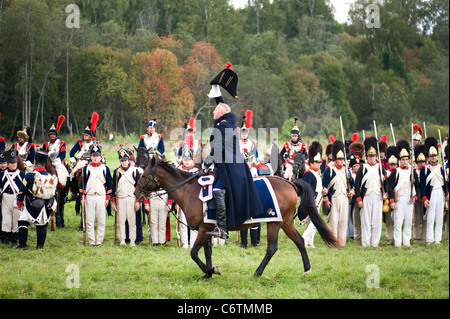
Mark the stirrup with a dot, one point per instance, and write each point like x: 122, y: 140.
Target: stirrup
x: 218, y: 232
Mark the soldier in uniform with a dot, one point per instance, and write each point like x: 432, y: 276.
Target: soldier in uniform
x: 187, y: 235
x: 419, y: 220
x: 370, y: 194
x: 417, y: 135
x: 3, y: 167
x: 10, y: 184
x: 124, y: 202
x: 96, y: 187
x: 25, y: 148
x: 313, y: 178
x: 403, y: 194
x: 189, y: 142
x: 38, y: 191
x: 79, y: 154
x: 329, y: 157
x: 79, y: 157
x: 355, y: 211
x: 56, y: 149
x: 337, y: 189
x: 392, y: 159
x: 433, y: 191
x: 152, y: 141
x: 290, y: 148
x: 383, y: 146
x: 245, y: 143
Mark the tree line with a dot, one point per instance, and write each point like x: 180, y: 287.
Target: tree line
x: 131, y: 60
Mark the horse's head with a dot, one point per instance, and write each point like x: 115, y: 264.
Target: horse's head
x: 299, y: 165
x: 142, y: 157
x: 148, y: 182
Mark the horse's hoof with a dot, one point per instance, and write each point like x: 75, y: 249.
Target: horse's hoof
x: 307, y: 272
x: 216, y: 271
x: 207, y: 276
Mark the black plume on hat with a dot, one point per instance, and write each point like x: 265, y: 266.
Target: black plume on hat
x: 336, y: 148
x: 314, y: 149
x: 403, y: 148
x: 420, y: 153
x: 369, y: 143
x: 430, y: 142
x: 392, y: 154
x: 10, y: 155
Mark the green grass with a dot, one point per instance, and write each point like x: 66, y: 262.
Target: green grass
x: 110, y: 271
x: 167, y: 272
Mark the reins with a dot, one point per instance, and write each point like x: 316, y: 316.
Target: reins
x: 163, y: 191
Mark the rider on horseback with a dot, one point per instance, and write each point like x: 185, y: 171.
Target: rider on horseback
x: 290, y: 149
x: 235, y: 193
x: 152, y: 140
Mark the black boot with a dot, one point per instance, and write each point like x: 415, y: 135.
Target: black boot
x: 7, y: 238
x: 41, y: 232
x: 221, y: 229
x: 254, y: 236
x: 23, y: 235
x: 14, y: 240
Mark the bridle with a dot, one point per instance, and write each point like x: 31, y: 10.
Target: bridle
x: 150, y: 178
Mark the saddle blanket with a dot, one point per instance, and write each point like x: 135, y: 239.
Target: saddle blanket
x: 272, y: 212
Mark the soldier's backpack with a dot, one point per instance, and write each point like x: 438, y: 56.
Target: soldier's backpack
x: 44, y: 186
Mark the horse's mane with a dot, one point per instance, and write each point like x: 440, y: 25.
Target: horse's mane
x: 170, y: 168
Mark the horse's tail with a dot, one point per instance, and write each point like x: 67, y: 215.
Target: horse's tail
x: 308, y: 207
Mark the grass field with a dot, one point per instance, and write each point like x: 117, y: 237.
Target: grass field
x: 167, y: 272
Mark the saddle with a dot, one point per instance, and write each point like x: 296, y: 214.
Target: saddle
x: 269, y: 201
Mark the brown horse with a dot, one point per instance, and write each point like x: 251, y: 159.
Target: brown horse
x: 184, y: 189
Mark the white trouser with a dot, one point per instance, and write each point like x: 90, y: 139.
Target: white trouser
x: 435, y: 213
x: 309, y: 234
x: 356, y: 213
x: 184, y: 231
x: 10, y: 213
x: 125, y: 210
x: 158, y: 219
x: 288, y: 173
x: 371, y: 220
x: 338, y: 221
x: 95, y: 210
x: 419, y: 223
x: 403, y: 215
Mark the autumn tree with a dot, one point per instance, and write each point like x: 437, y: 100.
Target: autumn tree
x: 160, y: 90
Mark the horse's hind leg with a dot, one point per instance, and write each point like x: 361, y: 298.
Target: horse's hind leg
x: 205, y: 242
x: 294, y: 235
x: 272, y: 246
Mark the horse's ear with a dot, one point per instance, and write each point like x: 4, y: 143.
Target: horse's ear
x: 153, y: 161
x: 135, y: 148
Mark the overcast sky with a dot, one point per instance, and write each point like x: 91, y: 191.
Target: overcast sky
x: 341, y: 7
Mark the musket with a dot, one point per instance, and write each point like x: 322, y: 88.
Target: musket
x: 115, y: 211
x: 150, y: 242
x: 393, y: 136
x: 115, y: 226
x: 379, y: 159
x: 178, y: 228
x: 424, y: 129
x: 83, y: 210
x: 443, y: 163
x: 345, y: 157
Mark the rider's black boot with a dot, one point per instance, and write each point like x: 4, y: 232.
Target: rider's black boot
x: 221, y: 229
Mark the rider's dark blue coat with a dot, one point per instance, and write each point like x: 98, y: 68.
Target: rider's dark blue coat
x: 242, y: 198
